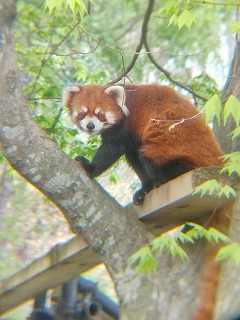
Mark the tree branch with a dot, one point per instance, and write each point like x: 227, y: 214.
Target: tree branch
x: 143, y: 42
x: 140, y: 45
x: 215, y: 3
x: 168, y: 74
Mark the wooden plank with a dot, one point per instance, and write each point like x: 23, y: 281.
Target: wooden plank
x: 63, y: 262
x: 164, y: 208
x: 173, y: 203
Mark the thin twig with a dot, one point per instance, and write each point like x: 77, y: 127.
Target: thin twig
x: 169, y: 76
x: 176, y: 122
x: 140, y: 45
x: 52, y: 128
x: 103, y: 44
x: 216, y: 3
x: 76, y: 52
x: 46, y: 58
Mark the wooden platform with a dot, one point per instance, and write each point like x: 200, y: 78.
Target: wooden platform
x: 164, y: 208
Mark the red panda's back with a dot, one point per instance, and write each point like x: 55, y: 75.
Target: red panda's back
x: 169, y: 127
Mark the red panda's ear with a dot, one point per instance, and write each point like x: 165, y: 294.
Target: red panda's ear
x: 67, y: 94
x: 118, y: 93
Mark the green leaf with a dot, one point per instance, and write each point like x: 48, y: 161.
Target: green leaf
x: 172, y: 20
x: 211, y: 234
x: 210, y: 187
x: 169, y: 7
x: 214, y: 188
x: 148, y: 265
x: 232, y: 164
x: 53, y: 4
x: 213, y: 107
x: 232, y: 107
x: 167, y: 244
x: 76, y: 6
x: 114, y: 177
x: 145, y: 260
x: 196, y: 232
x: 236, y: 133
x: 184, y: 238
x: 227, y: 191
x: 185, y: 18
x: 141, y: 254
x: 230, y: 252
x: 214, y: 235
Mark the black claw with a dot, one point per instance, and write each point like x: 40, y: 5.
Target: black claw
x: 78, y: 158
x: 138, y: 197
x: 84, y: 161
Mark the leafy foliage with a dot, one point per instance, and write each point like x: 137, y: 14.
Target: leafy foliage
x: 230, y: 252
x: 171, y: 243
x: 204, y: 83
x: 232, y: 163
x: 212, y: 235
x: 236, y: 133
x: 232, y: 107
x: 76, y: 6
x: 145, y: 260
x: 178, y: 13
x: 214, y: 188
x: 212, y: 108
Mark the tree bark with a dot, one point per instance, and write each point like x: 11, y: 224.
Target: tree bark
x: 232, y: 87
x: 6, y: 184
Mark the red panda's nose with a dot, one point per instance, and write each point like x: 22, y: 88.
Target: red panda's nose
x: 90, y: 126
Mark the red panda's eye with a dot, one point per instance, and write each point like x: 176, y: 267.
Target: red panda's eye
x: 100, y: 115
x: 82, y: 114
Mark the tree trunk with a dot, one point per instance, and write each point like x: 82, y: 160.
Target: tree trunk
x: 6, y: 190
x: 232, y: 87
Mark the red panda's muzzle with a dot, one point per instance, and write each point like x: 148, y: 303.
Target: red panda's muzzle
x: 91, y: 125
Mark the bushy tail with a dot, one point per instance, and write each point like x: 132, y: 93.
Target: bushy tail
x: 207, y: 296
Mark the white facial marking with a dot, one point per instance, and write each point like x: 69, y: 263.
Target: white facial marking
x: 110, y: 117
x: 97, y: 110
x: 85, y: 109
x: 74, y: 114
x: 97, y: 125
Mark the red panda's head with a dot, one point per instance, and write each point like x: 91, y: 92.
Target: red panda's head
x: 94, y: 108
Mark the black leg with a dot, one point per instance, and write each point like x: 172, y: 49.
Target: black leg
x: 154, y: 176
x: 105, y: 157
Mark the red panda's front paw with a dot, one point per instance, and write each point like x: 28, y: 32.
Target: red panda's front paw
x: 138, y: 197
x: 84, y: 162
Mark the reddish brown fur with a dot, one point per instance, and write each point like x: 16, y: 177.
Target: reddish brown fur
x: 146, y: 102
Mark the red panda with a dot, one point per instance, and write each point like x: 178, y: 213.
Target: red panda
x: 135, y: 120
x: 162, y: 136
